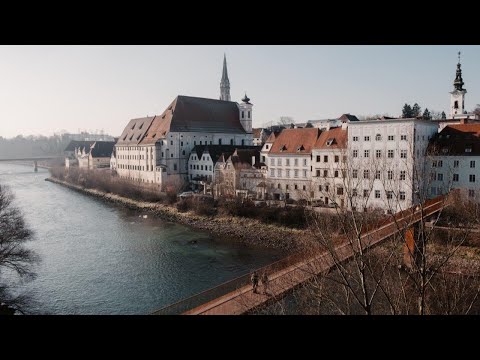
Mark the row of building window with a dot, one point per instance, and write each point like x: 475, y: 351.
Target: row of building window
x: 279, y: 173
x: 378, y: 137
x: 378, y: 154
x: 287, y: 187
x: 336, y: 158
x: 136, y: 167
x: 390, y: 174
x: 456, y: 177
x: 325, y: 173
x: 366, y: 193
x: 456, y: 163
x: 200, y: 167
x: 204, y: 158
x: 131, y: 157
x: 287, y: 162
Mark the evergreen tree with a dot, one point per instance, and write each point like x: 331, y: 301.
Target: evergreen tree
x: 416, y: 110
x: 444, y: 117
x: 426, y: 115
x: 406, y: 111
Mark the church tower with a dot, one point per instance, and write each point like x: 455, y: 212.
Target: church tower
x: 245, y: 109
x: 225, y: 83
x: 457, y: 98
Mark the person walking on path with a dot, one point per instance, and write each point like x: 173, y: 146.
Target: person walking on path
x: 265, y: 282
x: 254, y: 279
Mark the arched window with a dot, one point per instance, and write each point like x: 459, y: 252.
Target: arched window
x: 455, y: 106
x: 378, y: 137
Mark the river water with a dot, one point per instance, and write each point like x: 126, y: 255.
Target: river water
x: 99, y: 258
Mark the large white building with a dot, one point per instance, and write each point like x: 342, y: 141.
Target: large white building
x: 386, y: 161
x: 156, y: 149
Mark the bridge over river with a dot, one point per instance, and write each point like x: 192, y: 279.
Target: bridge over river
x: 236, y: 297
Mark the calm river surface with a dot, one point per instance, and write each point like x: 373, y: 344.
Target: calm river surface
x: 98, y: 258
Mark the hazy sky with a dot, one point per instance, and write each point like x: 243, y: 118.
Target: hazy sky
x: 47, y: 89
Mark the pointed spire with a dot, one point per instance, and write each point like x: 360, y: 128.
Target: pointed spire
x: 458, y: 83
x: 225, y: 72
x: 225, y: 82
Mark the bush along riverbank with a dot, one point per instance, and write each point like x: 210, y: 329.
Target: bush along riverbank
x: 222, y: 222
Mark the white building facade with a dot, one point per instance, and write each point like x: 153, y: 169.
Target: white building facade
x: 386, y: 161
x: 289, y: 161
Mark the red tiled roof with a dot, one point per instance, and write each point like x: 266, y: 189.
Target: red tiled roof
x: 271, y: 138
x: 295, y: 141
x: 193, y: 114
x: 337, y: 136
x: 472, y: 129
x: 135, y: 131
x: 257, y: 132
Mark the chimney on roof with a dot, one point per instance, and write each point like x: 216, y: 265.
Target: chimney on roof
x: 253, y: 160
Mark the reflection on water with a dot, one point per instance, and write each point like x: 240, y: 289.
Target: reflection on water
x: 98, y: 258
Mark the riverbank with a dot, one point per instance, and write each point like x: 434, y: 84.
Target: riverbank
x: 246, y: 231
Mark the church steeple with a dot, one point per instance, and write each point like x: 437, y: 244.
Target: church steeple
x: 457, y: 97
x: 458, y: 83
x: 225, y: 83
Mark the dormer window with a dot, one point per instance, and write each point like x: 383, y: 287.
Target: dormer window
x: 468, y: 148
x: 153, y: 136
x: 133, y: 127
x: 283, y: 148
x: 125, y: 137
x: 300, y: 148
x: 140, y: 127
x: 330, y: 141
x: 131, y: 137
x: 445, y: 150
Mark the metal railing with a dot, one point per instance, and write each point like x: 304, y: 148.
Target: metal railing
x: 229, y: 286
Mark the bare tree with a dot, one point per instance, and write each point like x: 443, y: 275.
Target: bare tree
x: 286, y: 121
x: 477, y: 110
x: 16, y: 261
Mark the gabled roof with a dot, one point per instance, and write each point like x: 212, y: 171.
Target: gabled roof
x: 78, y: 144
x: 257, y: 132
x: 273, y: 135
x: 102, y: 149
x: 217, y: 151
x: 243, y: 157
x: 194, y: 114
x: 348, y: 117
x: 291, y: 140
x: 454, y: 139
x: 338, y: 136
x: 135, y: 131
